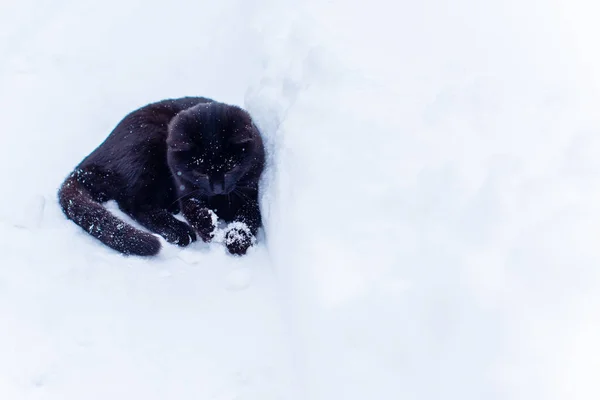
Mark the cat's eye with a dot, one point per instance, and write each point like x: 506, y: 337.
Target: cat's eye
x: 199, y: 175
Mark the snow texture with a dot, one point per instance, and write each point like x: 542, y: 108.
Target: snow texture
x: 430, y: 202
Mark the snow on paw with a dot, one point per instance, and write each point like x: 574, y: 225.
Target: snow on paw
x: 239, y: 238
x: 206, y: 224
x: 178, y: 233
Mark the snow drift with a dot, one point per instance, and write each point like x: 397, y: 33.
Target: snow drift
x: 433, y: 206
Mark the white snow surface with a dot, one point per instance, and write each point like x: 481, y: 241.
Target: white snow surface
x: 431, y: 202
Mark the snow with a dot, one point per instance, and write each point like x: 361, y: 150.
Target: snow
x: 430, y: 202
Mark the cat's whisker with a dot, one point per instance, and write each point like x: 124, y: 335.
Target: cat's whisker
x: 236, y: 194
x: 241, y: 195
x: 245, y: 187
x: 187, y: 194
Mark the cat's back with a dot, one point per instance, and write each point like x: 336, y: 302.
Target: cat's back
x: 142, y: 131
x: 155, y: 116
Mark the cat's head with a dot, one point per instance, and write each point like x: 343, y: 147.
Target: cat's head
x: 212, y: 147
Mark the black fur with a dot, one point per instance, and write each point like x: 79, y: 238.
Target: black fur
x: 191, y: 155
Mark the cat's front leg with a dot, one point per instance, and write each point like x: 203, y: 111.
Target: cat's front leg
x: 203, y: 220
x: 241, y: 233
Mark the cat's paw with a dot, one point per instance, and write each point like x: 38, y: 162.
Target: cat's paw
x: 239, y: 238
x: 178, y: 232
x: 205, y: 223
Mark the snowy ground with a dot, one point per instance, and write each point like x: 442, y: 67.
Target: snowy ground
x: 431, y: 202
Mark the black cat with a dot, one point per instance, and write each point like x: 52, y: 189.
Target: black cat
x: 191, y: 155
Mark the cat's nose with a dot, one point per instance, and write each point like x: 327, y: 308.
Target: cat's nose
x: 218, y: 188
